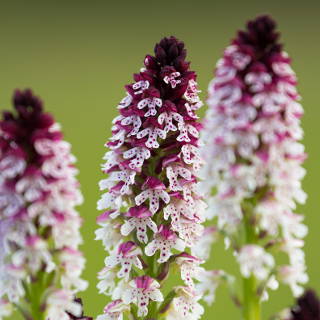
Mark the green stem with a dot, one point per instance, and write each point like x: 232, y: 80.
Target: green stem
x: 251, y: 298
x: 34, y: 292
x: 36, y: 308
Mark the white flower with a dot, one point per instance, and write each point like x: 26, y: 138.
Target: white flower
x: 165, y: 240
x: 133, y: 120
x: 61, y: 301
x: 108, y: 233
x: 137, y: 155
x: 32, y: 255
x: 191, y: 155
x: 11, y: 166
x: 202, y: 247
x: 168, y: 118
x: 125, y: 176
x: 152, y: 103
x: 143, y: 289
x: 31, y: 187
x: 185, y: 305
x: 141, y: 221
x: 140, y: 86
x: 173, y: 173
x: 72, y: 262
x: 189, y: 231
x: 107, y: 283
x: 189, y: 267
x: 126, y: 255
x: 254, y: 260
x: 154, y: 196
x: 153, y: 134
x: 294, y: 276
x: 209, y: 282
x: 171, y: 78
x: 125, y: 102
x: 114, y: 311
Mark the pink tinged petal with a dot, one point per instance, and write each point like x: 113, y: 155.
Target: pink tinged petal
x: 137, y: 262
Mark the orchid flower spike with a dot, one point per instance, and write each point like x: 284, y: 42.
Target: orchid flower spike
x: 253, y: 160
x: 40, y: 263
x: 152, y: 210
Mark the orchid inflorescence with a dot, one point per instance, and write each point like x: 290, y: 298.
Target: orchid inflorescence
x: 154, y: 211
x: 40, y: 264
x: 253, y: 160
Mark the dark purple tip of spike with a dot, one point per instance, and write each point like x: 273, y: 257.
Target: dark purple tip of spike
x: 170, y: 51
x: 25, y: 99
x: 307, y: 308
x: 261, y: 35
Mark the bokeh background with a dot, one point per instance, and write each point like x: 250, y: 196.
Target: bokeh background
x: 78, y: 55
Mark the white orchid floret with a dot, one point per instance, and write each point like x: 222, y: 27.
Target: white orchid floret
x: 72, y: 262
x: 114, y: 311
x: 154, y: 192
x: 140, y: 220
x: 189, y: 268
x: 203, y: 247
x: 185, y: 305
x: 294, y: 276
x: 109, y: 231
x: 126, y: 256
x: 59, y: 303
x: 165, y: 240
x: 143, y: 289
x: 106, y: 282
x: 208, y: 282
x: 253, y: 259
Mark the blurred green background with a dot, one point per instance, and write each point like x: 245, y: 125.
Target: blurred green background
x: 78, y: 55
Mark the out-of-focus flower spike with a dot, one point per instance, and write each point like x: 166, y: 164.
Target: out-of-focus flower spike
x: 254, y: 158
x: 39, y: 226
